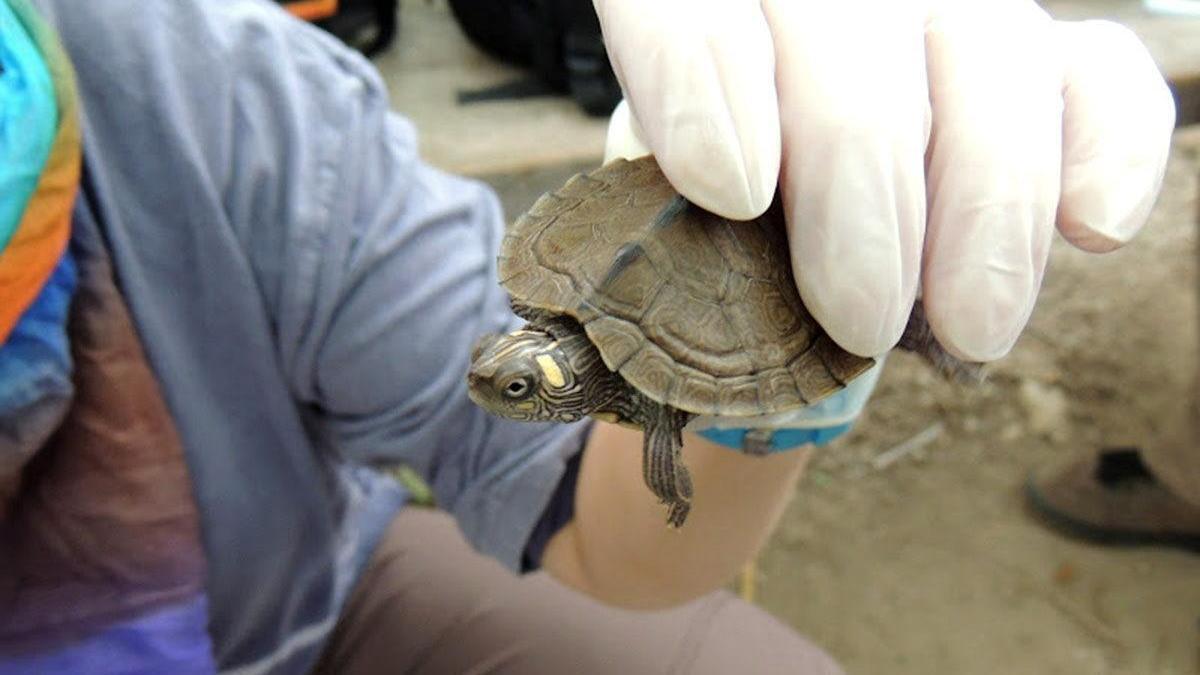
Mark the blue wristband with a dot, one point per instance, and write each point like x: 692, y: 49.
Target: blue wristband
x: 780, y: 440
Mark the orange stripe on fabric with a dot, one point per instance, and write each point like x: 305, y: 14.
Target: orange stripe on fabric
x: 313, y: 10
x: 45, y: 228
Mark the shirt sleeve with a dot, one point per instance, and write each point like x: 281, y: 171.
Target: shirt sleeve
x: 378, y: 272
x: 387, y: 365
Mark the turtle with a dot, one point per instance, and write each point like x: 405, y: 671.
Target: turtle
x: 640, y: 307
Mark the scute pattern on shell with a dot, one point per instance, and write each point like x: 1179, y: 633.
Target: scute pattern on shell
x: 694, y: 310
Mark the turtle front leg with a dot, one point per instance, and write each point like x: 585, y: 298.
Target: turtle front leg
x: 662, y: 461
x: 559, y: 326
x: 918, y: 338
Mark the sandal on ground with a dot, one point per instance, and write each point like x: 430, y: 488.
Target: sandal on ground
x: 1111, y: 497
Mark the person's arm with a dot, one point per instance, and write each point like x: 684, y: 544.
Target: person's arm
x: 618, y: 548
x: 378, y: 272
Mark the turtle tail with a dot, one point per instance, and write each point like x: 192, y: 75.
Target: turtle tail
x: 918, y: 338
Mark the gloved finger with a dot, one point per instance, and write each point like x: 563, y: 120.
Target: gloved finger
x: 855, y: 128
x: 699, y: 77
x: 623, y: 139
x: 1117, y: 125
x: 993, y: 171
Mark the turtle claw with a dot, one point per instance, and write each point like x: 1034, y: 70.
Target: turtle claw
x: 677, y: 514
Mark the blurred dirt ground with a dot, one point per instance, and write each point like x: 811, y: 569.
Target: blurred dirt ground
x: 931, y: 564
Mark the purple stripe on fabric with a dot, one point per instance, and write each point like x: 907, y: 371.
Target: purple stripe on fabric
x: 172, y: 640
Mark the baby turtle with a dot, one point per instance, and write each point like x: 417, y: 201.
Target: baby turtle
x: 644, y: 309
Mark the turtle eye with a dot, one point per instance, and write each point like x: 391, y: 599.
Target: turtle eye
x: 517, y: 388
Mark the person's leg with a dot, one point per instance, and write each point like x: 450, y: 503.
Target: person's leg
x: 1176, y: 461
x: 429, y: 604
x: 1146, y: 495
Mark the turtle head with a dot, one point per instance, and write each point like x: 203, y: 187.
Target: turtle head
x: 525, y: 375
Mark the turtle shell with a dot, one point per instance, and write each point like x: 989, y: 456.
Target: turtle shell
x: 694, y: 310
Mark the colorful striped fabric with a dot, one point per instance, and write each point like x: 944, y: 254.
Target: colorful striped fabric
x: 37, y: 245
x: 28, y: 118
x: 108, y: 551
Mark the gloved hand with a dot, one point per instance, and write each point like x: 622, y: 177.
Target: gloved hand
x: 932, y: 144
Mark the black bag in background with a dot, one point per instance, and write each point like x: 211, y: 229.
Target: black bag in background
x: 559, y: 41
x: 367, y: 25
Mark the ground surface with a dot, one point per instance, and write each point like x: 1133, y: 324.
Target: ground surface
x: 932, y: 565
x: 431, y: 64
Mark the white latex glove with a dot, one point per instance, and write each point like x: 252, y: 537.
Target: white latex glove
x: 917, y: 144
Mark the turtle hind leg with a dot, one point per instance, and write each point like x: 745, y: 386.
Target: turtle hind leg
x: 662, y: 461
x: 918, y: 338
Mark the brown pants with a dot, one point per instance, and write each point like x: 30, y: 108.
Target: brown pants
x: 430, y: 604
x: 1176, y: 459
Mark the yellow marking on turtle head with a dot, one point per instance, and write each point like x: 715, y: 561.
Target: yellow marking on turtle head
x: 554, y: 374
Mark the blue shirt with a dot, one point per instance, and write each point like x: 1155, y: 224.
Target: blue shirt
x: 307, y: 291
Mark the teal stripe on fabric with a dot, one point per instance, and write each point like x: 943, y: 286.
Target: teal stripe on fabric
x: 28, y: 120
x: 781, y: 439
